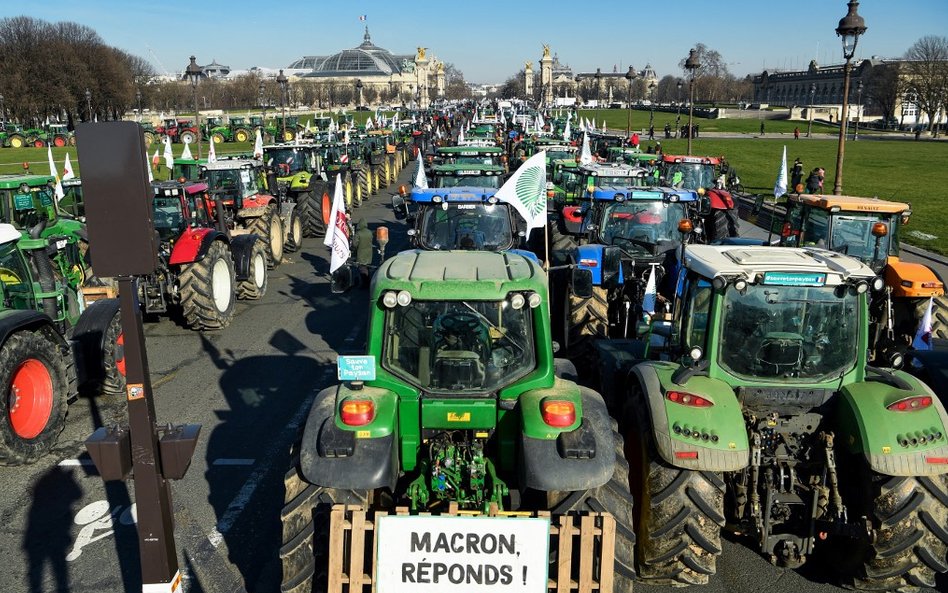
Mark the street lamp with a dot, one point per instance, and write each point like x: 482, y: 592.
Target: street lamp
x: 691, y: 65
x: 809, y: 125
x: 88, y: 105
x: 2, y: 110
x: 629, y: 76
x: 138, y: 98
x: 651, y: 100
x: 282, y: 81
x: 598, y: 77
x: 679, y: 84
x: 850, y: 28
x: 193, y: 72
x: 858, y: 110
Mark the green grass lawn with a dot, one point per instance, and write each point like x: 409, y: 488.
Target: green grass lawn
x: 616, y: 119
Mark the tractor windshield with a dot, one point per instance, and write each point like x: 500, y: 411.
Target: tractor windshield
x: 466, y: 225
x: 559, y: 153
x: 615, y: 181
x: 466, y: 346
x: 639, y: 227
x: 169, y: 217
x: 689, y: 175
x: 480, y: 159
x: 852, y: 235
x: 233, y: 182
x: 789, y: 333
x: 486, y: 181
x: 286, y: 161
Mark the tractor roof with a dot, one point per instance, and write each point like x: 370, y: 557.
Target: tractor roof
x: 849, y: 203
x: 698, y: 160
x: 469, y: 150
x: 613, y: 170
x: 228, y: 164
x: 465, y: 169
x: 645, y: 194
x: 787, y: 263
x: 459, y: 275
x: 453, y: 194
x: 168, y: 188
x: 181, y: 161
x: 15, y: 181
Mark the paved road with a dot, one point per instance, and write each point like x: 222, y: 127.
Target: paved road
x: 249, y: 386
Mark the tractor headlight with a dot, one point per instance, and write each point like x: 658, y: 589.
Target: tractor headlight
x: 878, y: 284
x: 696, y: 353
x: 436, y: 199
x: 741, y: 285
x: 534, y: 300
x: 389, y: 299
x: 403, y: 298
x: 517, y: 301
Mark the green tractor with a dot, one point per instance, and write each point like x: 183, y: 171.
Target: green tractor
x: 52, y: 342
x: 298, y: 178
x: 240, y: 130
x: 757, y: 410
x: 459, y: 407
x: 338, y: 158
x: 13, y: 136
x: 58, y: 135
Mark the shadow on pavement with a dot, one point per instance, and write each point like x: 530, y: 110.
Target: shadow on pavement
x: 47, y: 539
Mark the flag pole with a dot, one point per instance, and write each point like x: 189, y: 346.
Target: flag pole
x: 546, y: 245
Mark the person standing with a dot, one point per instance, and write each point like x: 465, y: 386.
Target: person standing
x: 364, y: 251
x: 796, y: 174
x: 651, y: 132
x: 762, y: 132
x: 796, y: 133
x: 635, y: 139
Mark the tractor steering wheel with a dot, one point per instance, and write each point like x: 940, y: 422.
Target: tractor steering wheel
x: 459, y: 323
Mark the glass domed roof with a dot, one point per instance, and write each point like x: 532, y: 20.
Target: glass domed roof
x: 365, y: 60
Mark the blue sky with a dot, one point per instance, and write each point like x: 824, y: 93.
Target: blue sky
x: 489, y: 40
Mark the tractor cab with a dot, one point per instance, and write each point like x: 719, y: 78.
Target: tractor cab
x: 471, y: 155
x: 237, y: 181
x: 289, y: 159
x: 689, y: 172
x: 643, y: 222
x: 600, y: 143
x: 177, y: 207
x: 27, y: 200
x: 187, y: 169
x: 72, y: 202
x: 564, y: 175
x: 467, y: 218
x: 596, y: 175
x: 462, y: 176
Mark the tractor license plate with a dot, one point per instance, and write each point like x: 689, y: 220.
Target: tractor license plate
x: 431, y: 554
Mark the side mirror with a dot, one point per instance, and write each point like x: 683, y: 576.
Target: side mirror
x: 581, y: 283
x: 611, y: 260
x: 758, y: 204
x: 400, y: 207
x: 344, y: 279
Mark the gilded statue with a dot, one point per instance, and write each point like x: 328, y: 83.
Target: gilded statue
x: 421, y: 53
x: 546, y: 50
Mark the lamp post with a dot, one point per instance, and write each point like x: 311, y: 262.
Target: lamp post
x: 88, y: 105
x: 629, y: 76
x: 3, y: 111
x: 138, y: 98
x: 809, y: 125
x: 679, y: 84
x: 282, y: 81
x: 850, y: 28
x: 651, y: 100
x: 194, y: 75
x: 598, y: 77
x: 691, y: 65
x: 858, y: 111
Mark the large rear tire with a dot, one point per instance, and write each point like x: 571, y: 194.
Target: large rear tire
x: 347, y: 189
x: 939, y: 316
x: 294, y: 237
x: 113, y: 359
x: 909, y: 517
x: 255, y: 286
x: 207, y: 289
x: 242, y: 135
x: 363, y: 181
x: 588, y: 318
x: 34, y: 398
x: 377, y: 171
x: 16, y: 141
x: 312, y: 209
x: 304, y: 552
x: 269, y: 227
x: 188, y: 137
x: 612, y: 497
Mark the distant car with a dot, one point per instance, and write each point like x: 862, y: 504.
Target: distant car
x: 362, y: 108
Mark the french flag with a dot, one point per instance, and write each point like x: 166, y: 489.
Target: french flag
x: 362, y: 17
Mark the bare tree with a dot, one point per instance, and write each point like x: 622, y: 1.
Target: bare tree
x: 926, y: 69
x: 712, y: 78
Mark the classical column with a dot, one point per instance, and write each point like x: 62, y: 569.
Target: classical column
x: 528, y: 80
x: 546, y: 76
x: 421, y: 73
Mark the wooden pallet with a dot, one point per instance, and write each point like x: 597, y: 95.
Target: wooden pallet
x: 584, y: 544
x: 91, y: 294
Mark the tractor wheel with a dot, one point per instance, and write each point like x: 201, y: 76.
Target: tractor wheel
x: 149, y: 138
x: 33, y: 405
x: 242, y: 135
x: 113, y: 358
x: 588, y: 318
x: 377, y: 179
x: 38, y: 143
x: 362, y: 180
x: 16, y: 141
x: 909, y: 516
x: 187, y: 137
x: 255, y: 286
x: 347, y: 190
x: 313, y: 208
x: 358, y: 197
x: 217, y: 138
x: 939, y: 315
x: 294, y: 237
x: 679, y: 514
x: 269, y: 228
x: 304, y: 552
x: 387, y: 171
x: 288, y: 135
x: 612, y: 497
x: 59, y: 141
x: 723, y: 224
x: 207, y: 289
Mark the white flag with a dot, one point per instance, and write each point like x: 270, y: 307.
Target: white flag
x: 337, y: 233
x: 55, y: 174
x: 648, y: 301
x: 211, y: 152
x: 186, y: 153
x: 421, y: 181
x: 923, y: 337
x: 155, y: 159
x: 368, y: 123
x: 780, y: 187
x: 585, y: 155
x: 151, y: 176
x: 526, y: 190
x: 169, y: 155
x: 594, y: 125
x: 258, y: 146
x: 461, y: 136
x: 567, y: 132
x: 68, y: 173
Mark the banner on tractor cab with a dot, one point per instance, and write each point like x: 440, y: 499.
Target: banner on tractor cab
x: 432, y: 554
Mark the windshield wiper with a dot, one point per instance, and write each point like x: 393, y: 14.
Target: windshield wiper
x: 491, y: 324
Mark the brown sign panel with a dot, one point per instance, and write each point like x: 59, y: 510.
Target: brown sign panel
x: 118, y: 198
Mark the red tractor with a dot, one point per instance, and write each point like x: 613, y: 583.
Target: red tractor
x: 179, y: 130
x: 700, y: 174
x: 249, y: 208
x: 202, y: 268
